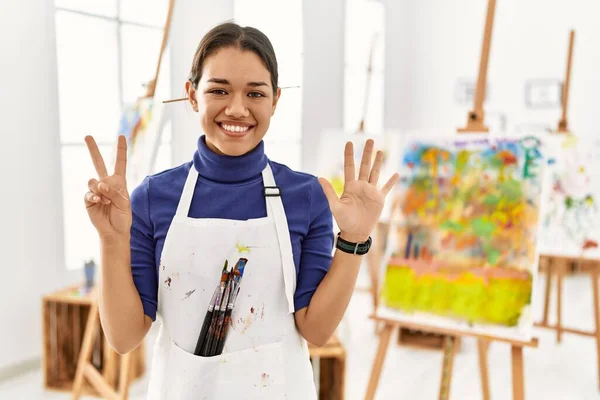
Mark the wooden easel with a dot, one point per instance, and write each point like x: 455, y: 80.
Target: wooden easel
x: 556, y: 265
x: 104, y: 385
x: 449, y: 353
x: 476, y: 117
x: 563, y: 126
x: 559, y: 266
x: 475, y: 124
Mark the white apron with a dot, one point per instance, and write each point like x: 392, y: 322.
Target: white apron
x: 265, y: 357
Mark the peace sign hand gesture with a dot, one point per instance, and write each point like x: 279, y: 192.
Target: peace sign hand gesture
x: 360, y: 205
x: 107, y: 201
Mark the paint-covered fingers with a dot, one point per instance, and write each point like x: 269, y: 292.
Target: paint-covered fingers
x: 93, y: 187
x: 117, y: 195
x: 96, y: 157
x: 365, y: 164
x: 349, y: 172
x: 376, y: 170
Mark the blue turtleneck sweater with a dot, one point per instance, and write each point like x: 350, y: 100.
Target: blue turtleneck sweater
x: 230, y: 188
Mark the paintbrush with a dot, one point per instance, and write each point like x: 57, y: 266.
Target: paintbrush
x: 220, y: 317
x: 227, y: 320
x: 238, y: 273
x: 206, y: 345
x: 206, y: 323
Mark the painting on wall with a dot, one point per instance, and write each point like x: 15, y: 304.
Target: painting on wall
x: 571, y: 218
x: 462, y: 250
x: 543, y: 93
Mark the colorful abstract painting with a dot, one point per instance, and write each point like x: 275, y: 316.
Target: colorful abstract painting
x: 571, y: 213
x: 134, y: 121
x: 462, y: 250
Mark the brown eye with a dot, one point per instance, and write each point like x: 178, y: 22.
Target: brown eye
x: 219, y: 92
x: 256, y: 94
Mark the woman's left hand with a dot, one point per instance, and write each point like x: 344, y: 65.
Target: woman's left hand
x: 359, y: 208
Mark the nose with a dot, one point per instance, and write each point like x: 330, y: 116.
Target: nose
x: 237, y: 107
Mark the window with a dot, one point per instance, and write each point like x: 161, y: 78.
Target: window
x: 283, y: 141
x: 364, y: 34
x: 107, y: 52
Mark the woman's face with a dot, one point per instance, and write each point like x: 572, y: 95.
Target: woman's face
x: 235, y: 100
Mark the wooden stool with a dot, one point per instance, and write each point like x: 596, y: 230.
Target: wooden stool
x: 67, y: 314
x: 331, y: 367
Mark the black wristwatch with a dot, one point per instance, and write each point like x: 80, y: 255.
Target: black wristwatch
x: 358, y: 249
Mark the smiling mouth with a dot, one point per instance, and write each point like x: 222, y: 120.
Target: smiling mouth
x: 235, y: 130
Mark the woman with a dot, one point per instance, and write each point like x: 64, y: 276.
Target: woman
x: 163, y: 249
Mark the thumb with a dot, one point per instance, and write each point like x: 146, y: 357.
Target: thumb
x: 332, y: 197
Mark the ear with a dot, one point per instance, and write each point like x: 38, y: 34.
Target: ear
x: 191, y: 94
x: 275, y: 100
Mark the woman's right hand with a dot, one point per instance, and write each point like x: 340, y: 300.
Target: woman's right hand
x: 107, y: 201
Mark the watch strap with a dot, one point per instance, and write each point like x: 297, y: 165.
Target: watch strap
x: 353, y: 248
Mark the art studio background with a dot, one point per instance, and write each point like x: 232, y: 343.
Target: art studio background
x: 72, y: 68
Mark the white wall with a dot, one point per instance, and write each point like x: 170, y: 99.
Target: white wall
x: 30, y: 192
x: 323, y: 74
x: 430, y: 45
x: 191, y: 20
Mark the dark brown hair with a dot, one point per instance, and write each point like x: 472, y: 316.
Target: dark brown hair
x: 230, y: 34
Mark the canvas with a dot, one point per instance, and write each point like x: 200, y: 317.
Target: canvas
x: 571, y: 217
x: 462, y: 248
x: 142, y: 125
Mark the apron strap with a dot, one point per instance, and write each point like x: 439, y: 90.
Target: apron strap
x: 275, y: 209
x: 185, y: 201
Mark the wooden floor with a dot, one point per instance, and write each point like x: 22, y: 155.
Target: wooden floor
x: 565, y: 371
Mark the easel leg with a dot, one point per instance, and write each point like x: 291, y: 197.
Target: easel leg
x: 482, y: 348
x: 596, y: 300
x: 517, y: 373
x: 374, y: 258
x: 384, y: 341
x: 560, y: 275
x: 548, y: 290
x: 124, y: 375
x: 86, y: 350
x: 450, y: 344
x: 374, y: 261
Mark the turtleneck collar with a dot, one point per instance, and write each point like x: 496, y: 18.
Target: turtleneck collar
x: 229, y: 169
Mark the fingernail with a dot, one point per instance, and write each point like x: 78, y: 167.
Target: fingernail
x: 95, y: 198
x: 103, y: 187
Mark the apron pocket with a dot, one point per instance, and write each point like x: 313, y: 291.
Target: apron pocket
x: 254, y: 373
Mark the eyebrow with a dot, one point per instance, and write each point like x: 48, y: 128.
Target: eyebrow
x: 226, y: 82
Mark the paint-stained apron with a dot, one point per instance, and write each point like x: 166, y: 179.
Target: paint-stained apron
x: 264, y: 357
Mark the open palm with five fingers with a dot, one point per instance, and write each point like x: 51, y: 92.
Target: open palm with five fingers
x: 107, y: 201
x: 359, y: 207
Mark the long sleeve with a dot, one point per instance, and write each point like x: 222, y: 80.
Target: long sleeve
x: 317, y: 246
x: 143, y: 263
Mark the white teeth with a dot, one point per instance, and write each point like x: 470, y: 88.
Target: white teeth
x: 234, y: 128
